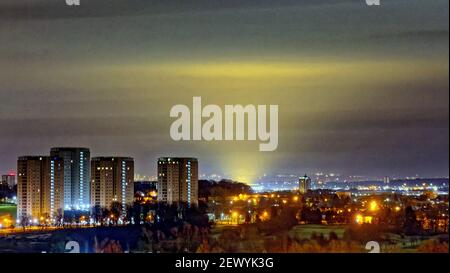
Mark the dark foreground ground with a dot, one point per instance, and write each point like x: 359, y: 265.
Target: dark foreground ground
x: 58, y: 240
x: 221, y: 238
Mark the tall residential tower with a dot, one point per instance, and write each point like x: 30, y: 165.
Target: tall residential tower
x: 178, y: 180
x: 304, y: 184
x: 9, y: 180
x: 39, y: 188
x: 112, y: 181
x: 76, y: 163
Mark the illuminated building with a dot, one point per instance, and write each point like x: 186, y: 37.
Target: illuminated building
x: 304, y: 184
x: 364, y: 219
x: 112, y: 181
x: 9, y: 180
x: 178, y: 180
x: 40, y: 185
x: 344, y: 194
x: 76, y: 163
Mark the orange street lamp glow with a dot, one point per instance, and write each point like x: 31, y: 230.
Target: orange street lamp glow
x: 373, y: 206
x: 368, y: 219
x: 359, y: 219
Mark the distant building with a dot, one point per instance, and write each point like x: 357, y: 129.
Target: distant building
x: 76, y: 163
x: 344, y: 194
x: 112, y: 181
x: 9, y: 180
x: 40, y: 182
x: 386, y: 180
x: 304, y: 184
x: 178, y: 180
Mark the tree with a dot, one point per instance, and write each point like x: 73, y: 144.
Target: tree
x: 333, y: 236
x: 433, y: 246
x: 411, y: 226
x: 24, y: 221
x: 59, y: 217
x: 105, y: 214
x: 107, y: 246
x: 116, y: 211
x: 97, y: 214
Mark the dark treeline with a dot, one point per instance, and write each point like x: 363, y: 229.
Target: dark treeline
x: 211, y: 188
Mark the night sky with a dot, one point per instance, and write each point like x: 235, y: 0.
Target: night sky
x: 361, y: 90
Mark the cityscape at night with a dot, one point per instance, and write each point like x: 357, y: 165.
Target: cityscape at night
x: 91, y: 199
x: 194, y: 127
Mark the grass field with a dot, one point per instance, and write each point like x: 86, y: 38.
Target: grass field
x: 8, y: 209
x: 305, y: 231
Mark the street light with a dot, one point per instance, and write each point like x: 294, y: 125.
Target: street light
x: 359, y: 219
x: 373, y: 206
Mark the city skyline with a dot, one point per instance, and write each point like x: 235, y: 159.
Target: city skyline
x: 51, y: 186
x: 361, y: 90
x: 329, y: 175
